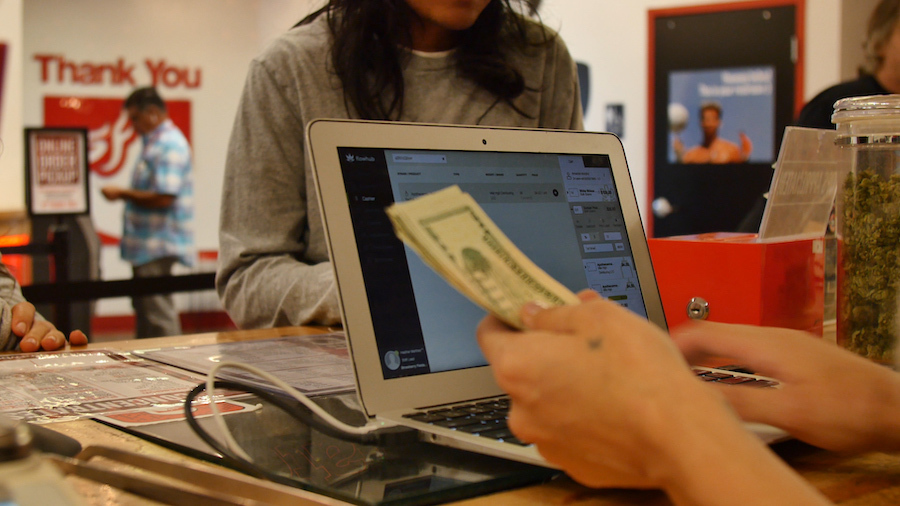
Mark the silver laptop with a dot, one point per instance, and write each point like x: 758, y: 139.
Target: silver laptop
x: 564, y: 198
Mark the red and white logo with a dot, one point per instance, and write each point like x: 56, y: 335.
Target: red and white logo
x: 110, y: 134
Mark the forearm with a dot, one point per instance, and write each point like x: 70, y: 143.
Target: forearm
x: 714, y: 460
x: 150, y: 200
x: 277, y: 291
x: 11, y: 292
x: 272, y: 272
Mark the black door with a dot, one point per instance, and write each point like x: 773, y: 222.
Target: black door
x: 724, y: 89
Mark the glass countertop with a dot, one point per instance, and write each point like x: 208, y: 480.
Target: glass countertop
x: 417, y: 473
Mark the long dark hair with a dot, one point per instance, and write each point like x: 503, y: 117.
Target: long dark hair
x: 368, y: 58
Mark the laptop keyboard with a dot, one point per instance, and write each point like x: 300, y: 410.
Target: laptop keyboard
x: 488, y: 418
x: 482, y: 418
x: 722, y: 376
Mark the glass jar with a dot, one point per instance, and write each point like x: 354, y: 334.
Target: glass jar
x: 868, y: 213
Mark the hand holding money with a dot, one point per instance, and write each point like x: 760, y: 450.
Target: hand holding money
x: 454, y: 236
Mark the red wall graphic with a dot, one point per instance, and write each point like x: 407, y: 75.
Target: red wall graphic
x: 110, y: 134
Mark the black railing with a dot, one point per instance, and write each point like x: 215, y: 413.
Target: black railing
x: 62, y: 292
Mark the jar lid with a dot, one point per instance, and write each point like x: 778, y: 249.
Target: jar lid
x: 866, y: 107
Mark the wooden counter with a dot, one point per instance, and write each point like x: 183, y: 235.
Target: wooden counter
x: 870, y: 479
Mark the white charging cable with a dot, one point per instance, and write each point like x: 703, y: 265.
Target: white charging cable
x: 293, y: 392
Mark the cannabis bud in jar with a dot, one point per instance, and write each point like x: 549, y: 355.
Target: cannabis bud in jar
x: 869, y: 225
x: 871, y: 263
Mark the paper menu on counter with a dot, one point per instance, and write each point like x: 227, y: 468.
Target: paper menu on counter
x: 316, y: 364
x: 49, y: 387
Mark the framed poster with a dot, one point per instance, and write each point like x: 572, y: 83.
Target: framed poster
x: 741, y: 101
x: 56, y: 171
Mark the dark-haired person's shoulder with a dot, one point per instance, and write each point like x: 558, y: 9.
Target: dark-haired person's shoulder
x: 535, y: 31
x: 299, y: 48
x: 539, y: 39
x: 817, y: 112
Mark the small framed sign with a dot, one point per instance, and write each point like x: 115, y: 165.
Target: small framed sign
x: 56, y: 171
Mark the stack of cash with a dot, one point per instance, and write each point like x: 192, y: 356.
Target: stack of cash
x: 453, y: 235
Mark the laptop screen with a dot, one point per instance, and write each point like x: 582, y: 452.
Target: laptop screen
x: 561, y: 210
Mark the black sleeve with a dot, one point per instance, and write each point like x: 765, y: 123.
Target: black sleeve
x: 817, y: 113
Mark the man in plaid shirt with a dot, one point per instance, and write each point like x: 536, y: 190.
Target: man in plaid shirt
x: 157, y: 229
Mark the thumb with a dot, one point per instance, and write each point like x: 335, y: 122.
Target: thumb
x: 22, y: 318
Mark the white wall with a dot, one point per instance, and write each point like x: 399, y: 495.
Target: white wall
x: 611, y: 37
x: 854, y: 19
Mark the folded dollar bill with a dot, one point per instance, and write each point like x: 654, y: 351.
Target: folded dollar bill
x: 453, y: 235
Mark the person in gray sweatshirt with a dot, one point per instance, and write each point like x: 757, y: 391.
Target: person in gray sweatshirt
x: 481, y: 62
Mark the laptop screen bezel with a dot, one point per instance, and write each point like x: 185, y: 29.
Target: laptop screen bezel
x: 324, y: 137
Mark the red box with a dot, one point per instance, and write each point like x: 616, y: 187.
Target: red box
x: 773, y: 284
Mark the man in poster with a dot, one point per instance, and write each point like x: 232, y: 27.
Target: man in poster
x: 157, y: 224
x: 713, y: 149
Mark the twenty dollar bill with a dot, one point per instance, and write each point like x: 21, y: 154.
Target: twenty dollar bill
x: 453, y: 235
